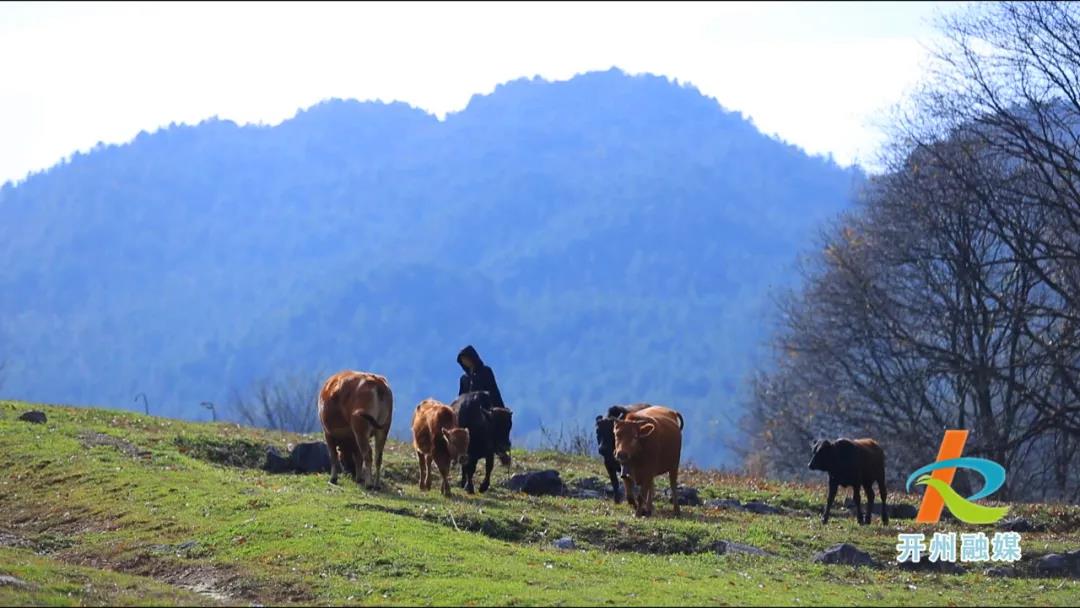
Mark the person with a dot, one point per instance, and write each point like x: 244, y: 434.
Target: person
x: 477, y: 376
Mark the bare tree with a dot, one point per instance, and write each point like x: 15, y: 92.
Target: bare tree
x: 286, y: 403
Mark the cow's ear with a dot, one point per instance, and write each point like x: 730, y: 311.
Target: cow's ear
x: 646, y: 429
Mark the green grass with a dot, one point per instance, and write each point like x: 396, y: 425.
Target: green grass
x: 104, y: 507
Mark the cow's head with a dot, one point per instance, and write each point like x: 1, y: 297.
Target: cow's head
x: 605, y: 436
x: 501, y: 421
x: 628, y: 436
x: 457, y: 443
x: 823, y: 456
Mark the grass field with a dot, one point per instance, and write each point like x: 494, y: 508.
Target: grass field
x: 105, y: 507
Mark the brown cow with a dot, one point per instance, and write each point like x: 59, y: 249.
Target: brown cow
x: 436, y: 437
x: 353, y: 406
x: 648, y: 443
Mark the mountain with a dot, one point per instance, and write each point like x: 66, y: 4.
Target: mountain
x: 610, y: 238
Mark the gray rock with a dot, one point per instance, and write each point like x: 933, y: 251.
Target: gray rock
x: 589, y: 487
x: 275, y: 462
x: 11, y: 581
x: 724, y: 503
x: 565, y: 543
x: 187, y: 545
x: 760, y: 508
x: 1052, y: 564
x: 845, y: 554
x: 1060, y: 565
x: 687, y: 496
x: 1019, y: 524
x: 925, y: 565
x: 310, y: 457
x: 896, y: 511
x: 34, y: 416
x: 537, y: 483
x: 725, y: 547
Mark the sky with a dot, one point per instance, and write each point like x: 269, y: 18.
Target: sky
x: 821, y: 76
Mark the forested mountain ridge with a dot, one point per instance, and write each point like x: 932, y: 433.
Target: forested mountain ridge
x: 610, y: 238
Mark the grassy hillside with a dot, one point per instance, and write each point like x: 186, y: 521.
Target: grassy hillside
x: 104, y: 507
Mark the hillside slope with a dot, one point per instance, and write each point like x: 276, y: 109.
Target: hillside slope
x: 607, y: 239
x: 101, y: 506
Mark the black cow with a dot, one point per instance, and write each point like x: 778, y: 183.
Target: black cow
x: 605, y: 442
x: 852, y: 463
x: 489, y: 434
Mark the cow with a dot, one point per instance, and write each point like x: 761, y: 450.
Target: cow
x: 605, y: 441
x: 437, y: 438
x: 353, y: 406
x: 489, y: 434
x: 852, y: 463
x: 648, y: 443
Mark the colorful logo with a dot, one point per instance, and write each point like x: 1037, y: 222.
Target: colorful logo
x: 939, y: 492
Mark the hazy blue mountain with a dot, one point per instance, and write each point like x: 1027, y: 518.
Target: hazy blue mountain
x: 605, y: 239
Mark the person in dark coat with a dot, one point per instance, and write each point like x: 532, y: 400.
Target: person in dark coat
x: 477, y: 376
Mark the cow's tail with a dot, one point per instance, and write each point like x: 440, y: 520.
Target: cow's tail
x: 384, y: 397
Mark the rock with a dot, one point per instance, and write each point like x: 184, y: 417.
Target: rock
x: 902, y: 511
x: 1019, y: 524
x: 925, y: 565
x: 184, y: 546
x: 537, y: 483
x: 34, y: 416
x: 760, y: 508
x: 896, y: 511
x: 1060, y: 565
x: 565, y: 543
x: 310, y: 457
x: 589, y: 487
x: 11, y: 581
x: 845, y: 554
x: 275, y: 462
x: 724, y: 547
x: 1000, y: 572
x: 687, y: 496
x: 1052, y: 564
x: 724, y: 503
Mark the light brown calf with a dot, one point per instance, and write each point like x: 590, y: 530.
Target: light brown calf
x: 437, y: 438
x: 353, y: 406
x: 648, y: 443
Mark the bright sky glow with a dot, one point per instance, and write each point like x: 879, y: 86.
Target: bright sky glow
x: 817, y: 75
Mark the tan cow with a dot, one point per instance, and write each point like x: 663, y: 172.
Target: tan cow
x: 648, y: 443
x: 353, y: 406
x: 437, y: 438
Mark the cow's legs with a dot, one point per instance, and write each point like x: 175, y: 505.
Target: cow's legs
x: 858, y: 503
x: 380, y: 443
x: 613, y: 473
x: 828, y: 502
x: 636, y: 504
x: 363, y: 456
x: 674, y: 477
x: 488, y: 464
x: 424, y: 471
x: 884, y: 507
x: 468, y: 471
x: 335, y: 462
x: 648, y: 488
x: 444, y: 470
x: 869, y: 489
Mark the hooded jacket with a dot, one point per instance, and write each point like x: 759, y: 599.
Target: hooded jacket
x: 480, y: 378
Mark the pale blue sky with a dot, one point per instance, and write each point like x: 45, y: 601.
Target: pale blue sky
x: 818, y: 75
